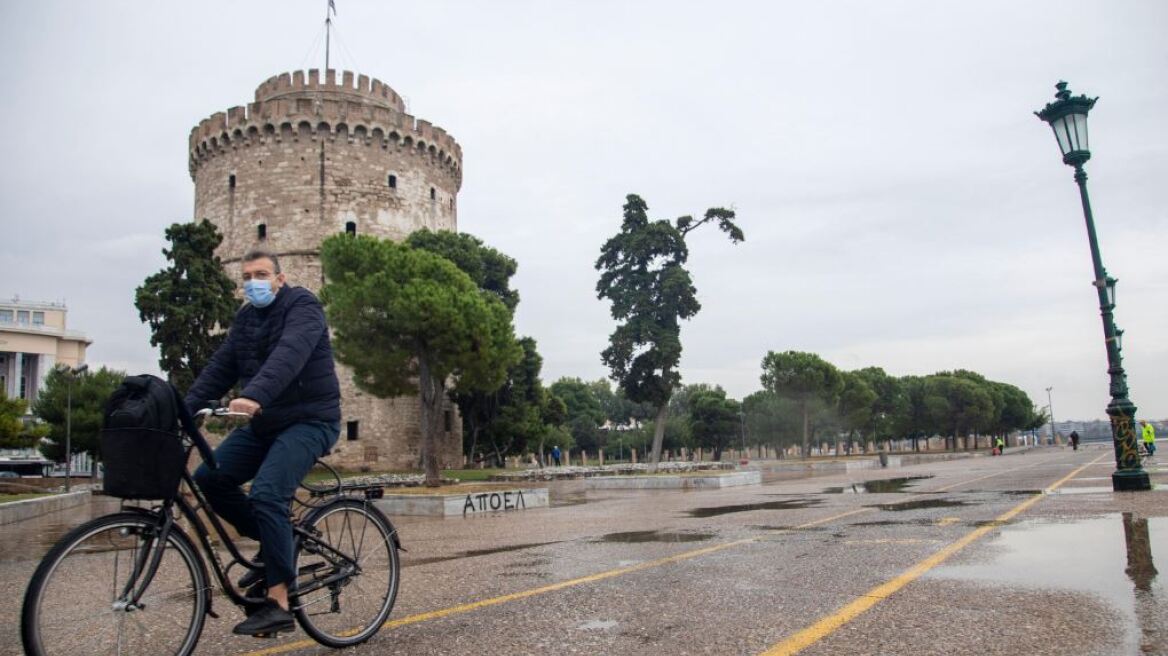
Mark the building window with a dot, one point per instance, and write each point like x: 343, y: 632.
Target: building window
x: 451, y: 202
x: 351, y: 431
x: 433, y: 193
x: 231, y: 181
x: 393, y: 182
x: 448, y: 420
x: 22, y: 317
x: 350, y: 228
x: 262, y: 231
x: 38, y: 318
x: 5, y: 316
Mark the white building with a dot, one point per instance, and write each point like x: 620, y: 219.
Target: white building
x: 33, y: 340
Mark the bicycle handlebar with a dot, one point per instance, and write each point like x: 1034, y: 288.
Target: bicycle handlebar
x: 200, y: 442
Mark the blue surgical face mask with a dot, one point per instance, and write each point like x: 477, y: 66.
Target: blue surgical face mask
x: 259, y: 292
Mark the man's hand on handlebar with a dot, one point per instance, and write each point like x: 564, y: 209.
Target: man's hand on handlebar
x: 245, y: 406
x: 226, y: 413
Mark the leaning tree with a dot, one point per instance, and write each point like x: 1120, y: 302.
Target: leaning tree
x: 643, y: 274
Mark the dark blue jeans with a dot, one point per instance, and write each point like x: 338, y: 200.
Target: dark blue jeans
x: 275, y: 466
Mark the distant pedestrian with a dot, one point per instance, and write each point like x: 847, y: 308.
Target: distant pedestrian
x: 556, y: 455
x: 1000, y: 445
x: 1149, y: 438
x: 1075, y: 440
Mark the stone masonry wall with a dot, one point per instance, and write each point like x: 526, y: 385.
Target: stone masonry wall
x: 308, y: 160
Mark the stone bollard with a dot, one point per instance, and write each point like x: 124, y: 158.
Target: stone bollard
x: 633, y: 455
x: 600, y: 454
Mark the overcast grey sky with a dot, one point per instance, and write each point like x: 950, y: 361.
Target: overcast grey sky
x: 902, y: 205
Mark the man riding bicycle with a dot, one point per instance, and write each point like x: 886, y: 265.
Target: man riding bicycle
x: 278, y: 350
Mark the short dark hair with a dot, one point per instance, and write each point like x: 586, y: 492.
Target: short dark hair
x: 252, y: 256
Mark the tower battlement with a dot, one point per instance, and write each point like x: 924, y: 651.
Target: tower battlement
x: 298, y: 83
x: 296, y: 106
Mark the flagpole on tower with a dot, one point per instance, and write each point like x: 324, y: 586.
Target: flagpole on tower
x: 329, y: 12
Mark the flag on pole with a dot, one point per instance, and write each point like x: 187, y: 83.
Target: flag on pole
x: 333, y: 7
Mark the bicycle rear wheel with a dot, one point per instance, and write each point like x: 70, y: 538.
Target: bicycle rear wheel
x: 348, y: 576
x: 76, y: 601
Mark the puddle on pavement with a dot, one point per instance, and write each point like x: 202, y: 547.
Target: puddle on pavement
x: 1115, y: 557
x: 882, y: 486
x: 475, y: 552
x: 918, y: 504
x: 787, y: 504
x: 630, y: 537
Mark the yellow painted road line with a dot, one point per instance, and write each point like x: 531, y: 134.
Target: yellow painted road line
x: 523, y: 594
x: 828, y: 625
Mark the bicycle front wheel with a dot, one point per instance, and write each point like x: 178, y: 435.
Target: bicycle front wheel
x: 79, y: 598
x: 348, y: 575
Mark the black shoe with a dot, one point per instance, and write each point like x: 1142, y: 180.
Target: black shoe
x: 267, y: 621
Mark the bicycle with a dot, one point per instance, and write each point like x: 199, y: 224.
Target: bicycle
x: 133, y: 582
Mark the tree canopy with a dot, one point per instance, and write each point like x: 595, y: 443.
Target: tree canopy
x: 190, y: 304
x: 90, y: 391
x: 407, y: 320
x: 804, y: 377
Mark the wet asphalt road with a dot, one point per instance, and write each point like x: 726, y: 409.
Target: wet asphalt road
x: 970, y: 557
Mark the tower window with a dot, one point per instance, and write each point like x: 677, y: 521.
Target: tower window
x: 452, y: 202
x: 350, y: 228
x: 231, y: 181
x: 393, y: 182
x: 448, y: 421
x: 433, y: 193
x: 262, y: 231
x: 351, y: 431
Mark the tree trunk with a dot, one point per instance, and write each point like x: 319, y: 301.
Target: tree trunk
x: 431, y: 399
x: 474, y: 442
x: 806, y: 425
x: 658, y: 435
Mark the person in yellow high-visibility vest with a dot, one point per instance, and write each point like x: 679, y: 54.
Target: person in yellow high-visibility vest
x: 1149, y: 438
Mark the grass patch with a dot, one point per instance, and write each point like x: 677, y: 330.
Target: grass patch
x: 5, y: 498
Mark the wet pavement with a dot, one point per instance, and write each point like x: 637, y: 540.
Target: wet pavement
x: 943, y: 558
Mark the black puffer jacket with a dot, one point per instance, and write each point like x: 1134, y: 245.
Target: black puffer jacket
x: 282, y: 357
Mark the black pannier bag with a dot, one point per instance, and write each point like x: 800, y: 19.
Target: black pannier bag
x: 141, y: 443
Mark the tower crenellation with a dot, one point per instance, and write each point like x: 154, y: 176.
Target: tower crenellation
x: 294, y: 106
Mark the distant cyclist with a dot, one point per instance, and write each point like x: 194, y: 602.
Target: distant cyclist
x: 278, y: 350
x: 1149, y: 438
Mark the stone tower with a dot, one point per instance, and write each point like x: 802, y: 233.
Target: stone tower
x: 312, y: 158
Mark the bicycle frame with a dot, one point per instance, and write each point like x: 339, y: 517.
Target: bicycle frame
x: 143, y: 573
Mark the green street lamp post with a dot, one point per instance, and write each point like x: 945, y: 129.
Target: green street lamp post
x: 1067, y: 116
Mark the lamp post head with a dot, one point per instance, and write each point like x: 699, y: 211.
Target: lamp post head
x: 1067, y: 116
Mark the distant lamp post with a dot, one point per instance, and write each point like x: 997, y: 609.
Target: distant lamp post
x: 1067, y: 116
x: 1050, y: 409
x: 71, y: 373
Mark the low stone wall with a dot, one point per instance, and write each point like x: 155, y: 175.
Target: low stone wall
x: 470, y: 503
x: 15, y: 511
x: 624, y: 469
x: 671, y: 482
